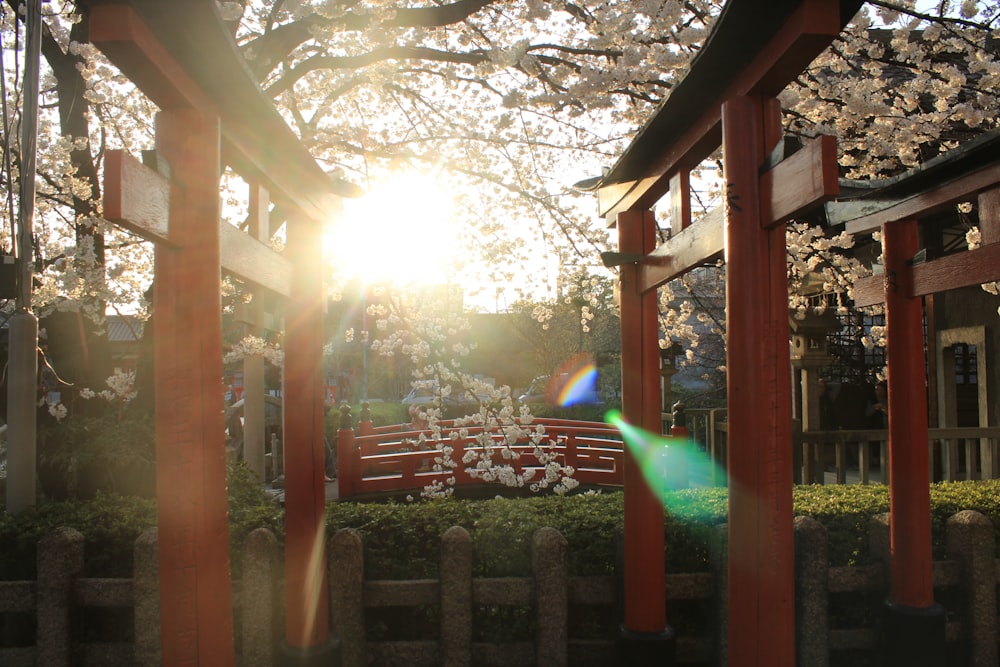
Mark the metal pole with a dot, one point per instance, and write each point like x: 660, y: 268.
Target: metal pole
x: 22, y: 363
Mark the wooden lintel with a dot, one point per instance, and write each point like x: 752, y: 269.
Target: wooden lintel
x: 252, y: 261
x: 963, y: 269
x: 809, y: 30
x: 138, y: 198
x: 126, y: 40
x: 796, y: 184
x: 926, y: 202
x: 685, y: 250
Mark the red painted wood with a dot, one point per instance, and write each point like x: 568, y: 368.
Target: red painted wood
x: 684, y: 250
x: 128, y: 42
x: 347, y: 467
x: 306, y: 606
x: 930, y: 201
x: 645, y: 578
x: 761, y: 549
x: 680, y: 200
x: 963, y: 269
x: 909, y: 491
x: 796, y: 184
x: 195, y: 600
x: 790, y: 188
x: 136, y: 197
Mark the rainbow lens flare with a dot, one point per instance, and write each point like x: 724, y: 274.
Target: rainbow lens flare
x: 667, y: 463
x: 575, y: 383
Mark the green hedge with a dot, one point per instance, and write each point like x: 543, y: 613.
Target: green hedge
x: 402, y: 540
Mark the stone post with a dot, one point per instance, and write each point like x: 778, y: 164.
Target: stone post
x: 60, y: 562
x: 260, y: 598
x: 970, y: 541
x: 718, y: 554
x: 146, y: 590
x: 347, y: 607
x: 456, y: 597
x: 811, y: 592
x: 548, y: 563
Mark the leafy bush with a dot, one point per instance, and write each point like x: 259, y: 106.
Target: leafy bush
x: 87, y: 454
x: 110, y: 524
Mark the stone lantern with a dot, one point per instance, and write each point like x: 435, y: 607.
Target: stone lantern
x: 809, y: 353
x: 668, y: 368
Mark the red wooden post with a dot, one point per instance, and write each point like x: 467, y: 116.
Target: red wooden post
x: 307, y: 609
x: 761, y: 548
x: 196, y: 611
x: 646, y: 637
x: 347, y: 456
x: 914, y: 625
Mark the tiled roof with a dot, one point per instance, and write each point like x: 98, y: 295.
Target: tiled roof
x: 119, y: 330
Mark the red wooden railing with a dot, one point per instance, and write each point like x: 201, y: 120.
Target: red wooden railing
x: 391, y: 459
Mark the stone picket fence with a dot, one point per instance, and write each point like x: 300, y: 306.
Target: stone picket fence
x: 61, y: 599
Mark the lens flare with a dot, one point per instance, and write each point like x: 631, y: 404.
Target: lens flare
x: 580, y: 387
x: 667, y: 463
x: 575, y: 383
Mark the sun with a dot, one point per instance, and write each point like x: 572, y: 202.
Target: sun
x: 404, y: 230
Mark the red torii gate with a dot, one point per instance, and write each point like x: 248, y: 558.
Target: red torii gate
x: 717, y: 103
x: 180, y: 56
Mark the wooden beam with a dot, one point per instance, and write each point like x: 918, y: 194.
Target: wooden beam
x: 253, y: 261
x: 963, y: 269
x: 794, y: 185
x: 137, y: 198
x: 128, y: 42
x: 685, y: 250
x: 921, y: 204
x: 809, y: 30
x: 798, y: 183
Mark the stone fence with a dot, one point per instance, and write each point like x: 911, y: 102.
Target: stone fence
x: 62, y: 600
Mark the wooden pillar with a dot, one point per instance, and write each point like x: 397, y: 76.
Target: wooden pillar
x: 254, y: 426
x: 307, y: 613
x: 195, y: 591
x: 914, y: 625
x: 761, y: 583
x: 646, y: 637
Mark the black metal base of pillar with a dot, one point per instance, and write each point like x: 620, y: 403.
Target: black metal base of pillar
x: 913, y: 636
x: 322, y: 655
x: 647, y: 649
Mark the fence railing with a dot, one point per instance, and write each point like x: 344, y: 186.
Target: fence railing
x: 63, y: 602
x: 859, y: 456
x: 391, y: 460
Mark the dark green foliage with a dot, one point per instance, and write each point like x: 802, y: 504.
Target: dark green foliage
x: 250, y: 507
x: 846, y: 511
x: 87, y: 454
x: 109, y: 524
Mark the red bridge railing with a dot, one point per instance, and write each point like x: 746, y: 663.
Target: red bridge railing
x: 394, y: 459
